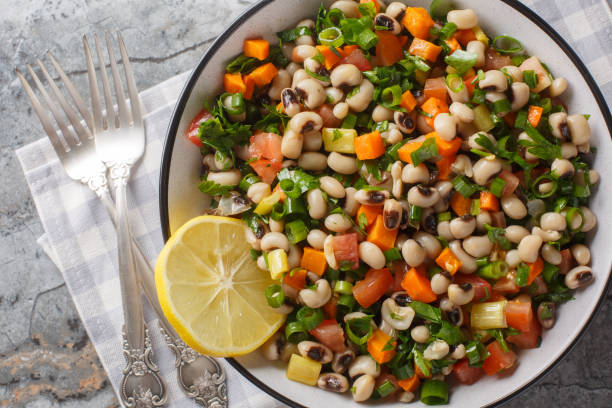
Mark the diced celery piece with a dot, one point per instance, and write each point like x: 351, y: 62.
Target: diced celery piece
x: 339, y: 140
x: 489, y: 315
x: 303, y: 370
x: 482, y: 118
x: 277, y: 263
x: 421, y: 76
x: 480, y: 35
x: 267, y: 204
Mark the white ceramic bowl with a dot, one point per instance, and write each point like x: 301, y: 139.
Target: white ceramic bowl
x: 180, y: 199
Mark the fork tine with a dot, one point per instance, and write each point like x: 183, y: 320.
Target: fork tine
x: 110, y: 109
x: 96, y: 106
x: 131, y: 83
x: 69, y: 137
x: 124, y: 115
x: 80, y: 130
x: 43, y: 115
x: 78, y: 101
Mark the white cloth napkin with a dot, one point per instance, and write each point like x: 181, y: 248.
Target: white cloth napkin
x: 81, y: 241
x: 80, y: 238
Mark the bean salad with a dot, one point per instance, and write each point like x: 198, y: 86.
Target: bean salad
x: 418, y: 188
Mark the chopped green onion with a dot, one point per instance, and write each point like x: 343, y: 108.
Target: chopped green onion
x: 353, y: 92
x: 518, y: 59
x: 332, y: 37
x: 293, y: 34
x: 347, y: 301
x: 359, y: 330
x: 317, y: 76
x: 483, y: 261
x: 428, y: 150
x: 464, y: 187
x: 521, y: 120
x: 236, y: 102
x: 445, y: 216
x: 530, y: 78
x: 482, y: 118
x: 367, y: 9
x: 295, y: 332
x: 497, y: 187
x: 445, y: 32
x: 296, y: 231
x: 247, y: 181
x: 478, y: 96
x: 279, y: 211
x: 475, y: 207
x: 275, y: 296
x: 494, y: 270
x: 461, y: 60
x: 522, y: 274
x: 454, y: 83
x: 343, y: 287
x: 440, y: 8
x: 549, y: 272
x: 434, y: 392
x: 349, y: 121
x: 476, y: 353
x: 425, y: 311
x: 501, y: 106
x: 505, y: 44
x: 416, y: 213
x: 569, y: 217
x: 391, y: 96
x: 392, y: 254
x: 547, y: 178
x: 387, y: 388
x: 310, y: 318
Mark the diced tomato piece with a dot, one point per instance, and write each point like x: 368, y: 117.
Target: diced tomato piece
x: 346, y: 250
x: 567, y: 261
x: 266, y: 169
x: 358, y: 59
x: 331, y: 334
x: 466, y: 374
x: 482, y: 288
x: 399, y: 270
x: 498, y: 359
x: 494, y: 60
x: 519, y: 315
x: 331, y: 308
x: 375, y: 283
x: 266, y: 146
x: 326, y: 112
x: 506, y: 284
x: 511, y: 180
x: 194, y: 127
x: 529, y: 338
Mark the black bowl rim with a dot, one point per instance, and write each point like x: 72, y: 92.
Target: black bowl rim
x: 184, y: 96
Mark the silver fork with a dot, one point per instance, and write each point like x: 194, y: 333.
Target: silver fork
x: 196, y: 373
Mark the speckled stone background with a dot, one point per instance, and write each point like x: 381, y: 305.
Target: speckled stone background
x: 46, y: 359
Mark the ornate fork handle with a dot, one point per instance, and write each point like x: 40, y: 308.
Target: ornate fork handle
x: 200, y: 377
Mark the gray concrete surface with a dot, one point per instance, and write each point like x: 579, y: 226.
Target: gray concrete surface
x: 46, y: 359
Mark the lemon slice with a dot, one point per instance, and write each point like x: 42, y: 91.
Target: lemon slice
x: 211, y: 290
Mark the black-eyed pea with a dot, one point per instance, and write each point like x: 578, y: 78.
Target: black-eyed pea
x: 281, y: 81
x: 396, y: 10
x: 581, y: 254
x: 252, y: 239
x: 461, y: 294
x: 318, y: 296
x: 515, y: 233
x: 446, y: 126
x: 406, y: 396
x: 380, y: 114
x: 551, y: 255
x: 333, y: 382
x: 391, y: 24
x: 484, y: 217
x: 558, y: 124
x: 406, y: 122
x: 422, y: 196
x: 276, y: 226
x: 392, y: 214
x: 590, y: 221
x: 439, y: 283
x: 429, y: 243
x: 463, y: 19
x: 274, y: 240
x: 313, y: 161
x: 317, y: 207
x: 311, y: 92
x: 348, y: 8
x: 294, y: 256
x: 462, y: 227
x: 513, y: 207
x: 458, y: 353
x: 553, y: 221
x: 563, y: 168
x: 225, y: 178
x: 261, y: 263
x: 462, y: 112
x: 301, y: 52
x: 345, y: 76
x: 478, y: 246
x: 568, y: 150
x: 457, y: 96
x: 415, y: 175
x: 546, y: 235
x: 558, y: 86
x: 578, y: 277
x: 359, y: 100
x: 332, y: 187
x: 341, y: 163
x: 315, y: 351
x: 520, y: 95
x: 413, y: 253
x: 526, y: 153
x: 258, y: 191
x: 363, y: 365
x: 579, y: 129
x: 473, y: 144
x: 291, y: 144
x: 341, y: 110
x: 485, y: 169
x: 342, y: 361
x: 372, y: 197
x: 529, y: 248
x: 337, y: 223
x: 372, y: 255
x: 420, y: 334
x: 227, y: 103
x: 494, y: 80
x: 546, y: 314
x: 478, y: 48
x: 351, y: 205
x: 515, y: 73
x: 363, y: 387
x: 316, y: 238
x: 313, y: 142
x: 468, y: 263
x: 444, y: 230
x: 334, y: 95
x: 393, y: 135
x: 593, y: 177
x: 290, y: 101
x: 271, y: 349
x: 299, y: 76
x: 436, y: 350
x: 512, y: 258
